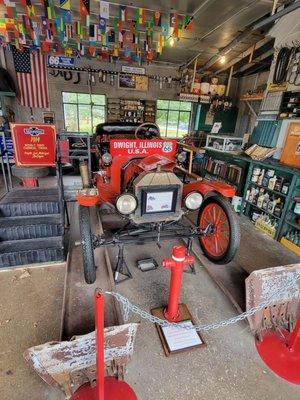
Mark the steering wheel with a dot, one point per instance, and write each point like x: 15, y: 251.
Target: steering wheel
x: 147, y: 130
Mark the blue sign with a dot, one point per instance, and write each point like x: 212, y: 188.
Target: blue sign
x: 9, y: 147
x: 60, y: 61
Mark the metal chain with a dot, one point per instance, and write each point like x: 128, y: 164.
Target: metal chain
x: 127, y: 307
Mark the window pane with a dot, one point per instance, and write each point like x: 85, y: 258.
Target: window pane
x: 163, y: 104
x: 84, y: 98
x: 172, y: 124
x: 183, y: 126
x: 85, y: 118
x: 98, y: 113
x: 174, y: 105
x: 185, y: 106
x: 69, y: 97
x: 98, y: 99
x: 161, y: 120
x: 71, y: 117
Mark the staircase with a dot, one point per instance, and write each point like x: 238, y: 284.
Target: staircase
x: 31, y: 229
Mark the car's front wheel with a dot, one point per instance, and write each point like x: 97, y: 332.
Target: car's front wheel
x: 87, y: 245
x: 222, y: 239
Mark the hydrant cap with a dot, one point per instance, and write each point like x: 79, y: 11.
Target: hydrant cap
x: 179, y: 252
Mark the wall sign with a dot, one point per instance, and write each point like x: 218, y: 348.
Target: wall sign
x: 189, y: 97
x: 135, y: 82
x: 121, y: 147
x: 133, y: 70
x: 60, y: 61
x: 48, y: 117
x: 34, y: 144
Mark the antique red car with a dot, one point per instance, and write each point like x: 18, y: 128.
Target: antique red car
x: 142, y: 177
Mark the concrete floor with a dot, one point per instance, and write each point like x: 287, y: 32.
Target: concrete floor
x: 229, y: 367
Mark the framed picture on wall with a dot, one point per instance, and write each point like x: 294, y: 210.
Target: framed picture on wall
x: 48, y: 117
x: 134, y: 82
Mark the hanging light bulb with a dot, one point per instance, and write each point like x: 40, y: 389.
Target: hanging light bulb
x: 223, y: 60
x: 172, y: 41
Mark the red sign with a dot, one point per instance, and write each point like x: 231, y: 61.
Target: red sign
x: 34, y: 144
x: 132, y: 147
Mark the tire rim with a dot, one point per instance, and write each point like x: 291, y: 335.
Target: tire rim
x: 217, y: 241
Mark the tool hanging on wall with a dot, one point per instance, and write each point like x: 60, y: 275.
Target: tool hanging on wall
x: 281, y: 66
x: 78, y: 79
x: 293, y: 75
x: 67, y: 75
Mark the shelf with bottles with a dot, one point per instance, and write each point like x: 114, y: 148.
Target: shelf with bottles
x: 263, y: 210
x: 270, y: 189
x: 291, y: 240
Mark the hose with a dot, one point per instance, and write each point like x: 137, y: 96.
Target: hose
x: 282, y: 62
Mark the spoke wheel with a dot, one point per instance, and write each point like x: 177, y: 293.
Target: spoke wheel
x: 223, y: 234
x: 89, y: 268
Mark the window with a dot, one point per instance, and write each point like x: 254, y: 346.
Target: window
x: 173, y: 117
x: 83, y: 112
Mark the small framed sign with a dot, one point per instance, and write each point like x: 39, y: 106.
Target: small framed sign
x: 133, y: 70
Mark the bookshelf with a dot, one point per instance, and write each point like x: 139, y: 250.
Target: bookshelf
x: 224, y: 167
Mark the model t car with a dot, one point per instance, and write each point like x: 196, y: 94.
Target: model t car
x: 142, y: 177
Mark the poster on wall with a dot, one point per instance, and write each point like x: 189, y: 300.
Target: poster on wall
x: 134, y: 82
x: 34, y: 144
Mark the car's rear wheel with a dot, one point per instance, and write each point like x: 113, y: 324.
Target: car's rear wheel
x: 87, y: 245
x: 222, y: 240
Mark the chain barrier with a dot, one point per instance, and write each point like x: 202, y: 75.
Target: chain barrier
x: 127, y: 307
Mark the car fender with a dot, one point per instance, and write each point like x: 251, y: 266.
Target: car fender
x: 209, y: 188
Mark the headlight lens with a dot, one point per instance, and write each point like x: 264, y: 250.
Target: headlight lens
x: 181, y: 157
x: 106, y: 159
x: 193, y: 200
x: 126, y: 204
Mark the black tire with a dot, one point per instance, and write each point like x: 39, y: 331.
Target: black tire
x: 29, y: 172
x: 89, y: 268
x: 234, y: 231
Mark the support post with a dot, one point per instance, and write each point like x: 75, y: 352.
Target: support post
x: 99, y: 332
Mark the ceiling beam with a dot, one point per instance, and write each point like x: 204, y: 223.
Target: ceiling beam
x: 257, y: 60
x: 243, y: 55
x: 257, y: 25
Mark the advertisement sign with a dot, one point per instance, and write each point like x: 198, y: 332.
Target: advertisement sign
x: 132, y: 147
x: 34, y: 144
x: 6, y: 144
x: 60, y: 61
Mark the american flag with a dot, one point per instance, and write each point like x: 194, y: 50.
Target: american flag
x: 31, y: 77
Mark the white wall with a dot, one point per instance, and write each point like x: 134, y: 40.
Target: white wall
x: 58, y: 85
x: 246, y: 120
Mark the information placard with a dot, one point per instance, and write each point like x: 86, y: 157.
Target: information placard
x: 34, y: 144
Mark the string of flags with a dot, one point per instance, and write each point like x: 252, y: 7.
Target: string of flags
x: 131, y: 34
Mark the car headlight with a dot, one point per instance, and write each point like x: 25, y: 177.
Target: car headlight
x: 126, y: 204
x: 106, y: 159
x: 181, y: 157
x: 193, y: 200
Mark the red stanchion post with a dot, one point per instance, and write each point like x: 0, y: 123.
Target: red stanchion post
x: 108, y: 388
x: 99, y: 333
x: 280, y: 350
x: 177, y: 264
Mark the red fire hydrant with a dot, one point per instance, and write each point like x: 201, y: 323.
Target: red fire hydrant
x: 177, y: 264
